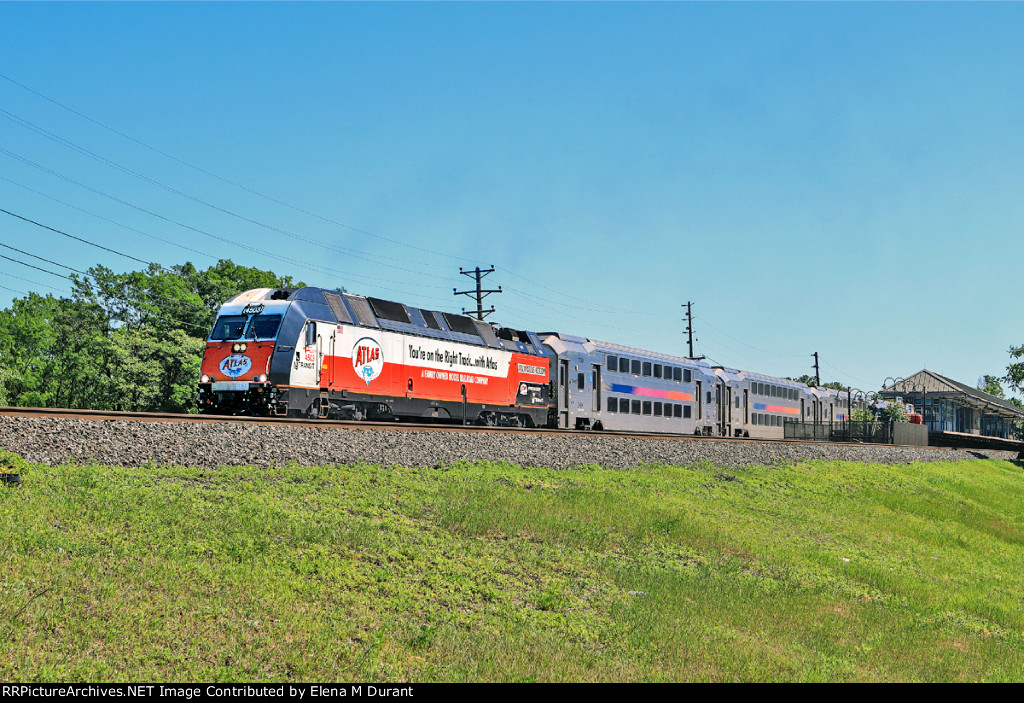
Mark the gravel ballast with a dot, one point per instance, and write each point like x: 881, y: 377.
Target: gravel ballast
x: 55, y: 441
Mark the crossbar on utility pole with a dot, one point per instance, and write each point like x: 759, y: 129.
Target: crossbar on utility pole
x: 479, y: 293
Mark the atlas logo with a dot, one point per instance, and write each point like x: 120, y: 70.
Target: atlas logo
x: 235, y: 365
x: 367, y: 359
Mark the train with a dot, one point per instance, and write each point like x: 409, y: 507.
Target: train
x: 317, y: 353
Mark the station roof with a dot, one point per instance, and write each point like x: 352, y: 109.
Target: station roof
x: 937, y: 386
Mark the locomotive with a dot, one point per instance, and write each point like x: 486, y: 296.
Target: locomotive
x: 313, y: 352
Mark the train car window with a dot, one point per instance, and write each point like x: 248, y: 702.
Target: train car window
x: 388, y: 310
x: 657, y: 370
x: 647, y: 368
x: 459, y: 323
x: 580, y: 382
x: 612, y: 363
x: 613, y: 405
x: 736, y: 403
x: 636, y: 407
x: 635, y: 367
x: 687, y: 376
x: 657, y: 409
x: 647, y: 407
x: 709, y: 397
x: 687, y: 411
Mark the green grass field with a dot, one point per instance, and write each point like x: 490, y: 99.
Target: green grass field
x: 813, y: 571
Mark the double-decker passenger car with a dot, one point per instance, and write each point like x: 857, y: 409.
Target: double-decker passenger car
x: 606, y: 386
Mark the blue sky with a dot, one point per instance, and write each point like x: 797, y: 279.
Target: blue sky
x: 843, y: 178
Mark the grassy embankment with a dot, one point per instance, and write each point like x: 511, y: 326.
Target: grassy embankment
x: 811, y: 571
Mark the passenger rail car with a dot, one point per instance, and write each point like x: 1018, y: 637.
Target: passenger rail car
x: 311, y: 352
x: 611, y: 387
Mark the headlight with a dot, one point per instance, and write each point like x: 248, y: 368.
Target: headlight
x: 262, y: 378
x: 238, y: 347
x: 205, y: 379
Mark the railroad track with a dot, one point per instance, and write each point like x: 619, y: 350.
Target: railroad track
x: 100, y: 415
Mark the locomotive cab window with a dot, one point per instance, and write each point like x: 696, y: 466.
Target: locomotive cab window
x: 263, y: 327
x: 228, y: 327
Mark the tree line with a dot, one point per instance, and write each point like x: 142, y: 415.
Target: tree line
x: 121, y: 341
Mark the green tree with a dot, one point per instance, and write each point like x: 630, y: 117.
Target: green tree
x: 1015, y: 371
x: 991, y: 385
x: 808, y: 380
x: 123, y: 341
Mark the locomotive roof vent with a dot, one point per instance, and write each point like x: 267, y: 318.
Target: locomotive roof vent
x: 281, y: 294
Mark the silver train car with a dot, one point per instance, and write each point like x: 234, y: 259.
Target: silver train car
x: 603, y: 386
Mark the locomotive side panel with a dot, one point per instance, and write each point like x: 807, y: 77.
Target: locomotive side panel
x: 419, y: 376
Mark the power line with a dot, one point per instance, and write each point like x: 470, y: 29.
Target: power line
x: 225, y: 240
x: 49, y: 135
x: 124, y: 169
x: 110, y: 221
x: 79, y: 239
x: 276, y: 200
x: 740, y: 341
x: 308, y: 240
x: 35, y: 283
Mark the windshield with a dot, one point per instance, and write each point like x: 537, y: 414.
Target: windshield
x: 263, y: 327
x: 230, y: 327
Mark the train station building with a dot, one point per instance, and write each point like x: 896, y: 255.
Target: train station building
x: 951, y: 406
